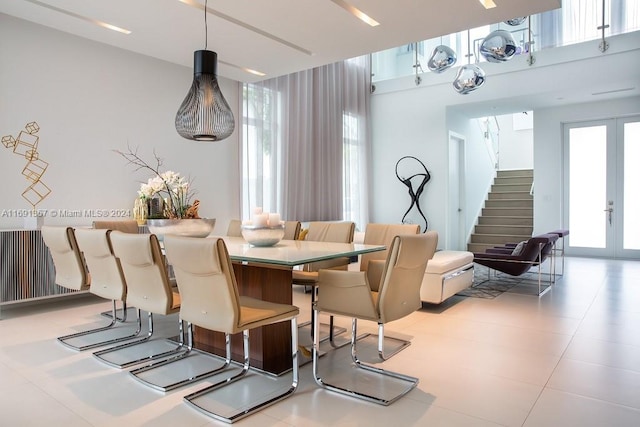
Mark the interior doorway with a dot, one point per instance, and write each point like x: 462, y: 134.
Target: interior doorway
x: 456, y: 224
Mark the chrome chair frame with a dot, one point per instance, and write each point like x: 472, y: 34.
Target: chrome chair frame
x: 81, y: 267
x: 396, y: 296
x: 190, y: 398
x: 412, y: 382
x: 185, y: 353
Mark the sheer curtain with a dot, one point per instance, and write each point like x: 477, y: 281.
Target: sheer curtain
x: 305, y: 143
x: 578, y: 21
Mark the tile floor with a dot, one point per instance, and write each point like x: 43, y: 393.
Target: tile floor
x: 569, y: 358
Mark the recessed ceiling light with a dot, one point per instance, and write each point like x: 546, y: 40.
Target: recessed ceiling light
x: 246, y: 26
x: 613, y: 91
x: 246, y: 70
x: 84, y: 18
x: 256, y: 72
x: 488, y: 4
x: 357, y: 13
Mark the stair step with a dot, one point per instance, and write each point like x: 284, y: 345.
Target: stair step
x: 519, y: 230
x: 498, y: 188
x: 514, y: 180
x: 516, y: 172
x: 506, y: 220
x: 507, y: 212
x: 498, y: 239
x: 509, y: 203
x: 510, y: 195
x: 479, y: 247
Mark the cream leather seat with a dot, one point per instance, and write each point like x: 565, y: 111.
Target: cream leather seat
x: 324, y: 231
x: 210, y: 300
x: 148, y: 289
x: 291, y: 230
x: 125, y: 225
x: 71, y: 273
x: 382, y: 234
x: 348, y: 293
x: 372, y: 263
x: 235, y: 228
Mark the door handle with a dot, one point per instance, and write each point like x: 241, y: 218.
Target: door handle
x: 610, y: 210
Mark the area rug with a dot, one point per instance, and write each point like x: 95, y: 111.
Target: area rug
x: 485, y: 286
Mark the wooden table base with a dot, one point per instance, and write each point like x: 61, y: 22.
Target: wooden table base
x: 269, y: 346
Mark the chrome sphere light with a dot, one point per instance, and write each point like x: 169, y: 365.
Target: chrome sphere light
x: 442, y: 58
x: 469, y: 78
x: 498, y: 46
x: 514, y: 22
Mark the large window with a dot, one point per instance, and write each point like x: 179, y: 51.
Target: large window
x: 305, y: 144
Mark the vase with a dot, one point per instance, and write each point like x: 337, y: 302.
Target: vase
x: 140, y: 211
x: 200, y: 227
x: 263, y: 236
x: 155, y: 207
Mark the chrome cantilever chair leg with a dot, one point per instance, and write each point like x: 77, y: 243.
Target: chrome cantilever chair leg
x: 109, y: 314
x: 114, y: 319
x: 101, y: 355
x: 411, y: 382
x: 193, y: 397
x: 381, y: 353
x: 189, y: 350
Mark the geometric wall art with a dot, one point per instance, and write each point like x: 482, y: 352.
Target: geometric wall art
x: 26, y: 146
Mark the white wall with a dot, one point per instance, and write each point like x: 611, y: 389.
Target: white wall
x: 406, y: 124
x: 516, y: 145
x: 548, y: 156
x: 90, y: 99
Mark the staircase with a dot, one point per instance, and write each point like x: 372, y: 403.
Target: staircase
x: 508, y: 213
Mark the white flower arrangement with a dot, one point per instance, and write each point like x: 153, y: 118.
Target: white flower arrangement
x: 174, y: 190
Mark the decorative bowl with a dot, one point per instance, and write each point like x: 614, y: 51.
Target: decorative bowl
x: 200, y: 227
x: 263, y: 235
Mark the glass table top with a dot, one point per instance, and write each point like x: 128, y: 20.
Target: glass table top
x: 293, y: 252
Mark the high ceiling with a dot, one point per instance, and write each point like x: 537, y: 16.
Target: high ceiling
x: 275, y: 37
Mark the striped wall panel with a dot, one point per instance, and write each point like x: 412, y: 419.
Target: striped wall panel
x: 26, y: 268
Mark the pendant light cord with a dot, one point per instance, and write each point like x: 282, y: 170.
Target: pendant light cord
x: 206, y: 32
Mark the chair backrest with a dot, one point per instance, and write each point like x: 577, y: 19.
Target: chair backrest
x: 126, y: 226
x: 535, y: 251
x: 107, y: 279
x: 548, y: 247
x: 235, y: 228
x: 330, y: 231
x: 292, y: 230
x: 71, y: 271
x: 537, y: 247
x: 383, y: 234
x: 399, y: 290
x: 207, y: 283
x: 148, y: 285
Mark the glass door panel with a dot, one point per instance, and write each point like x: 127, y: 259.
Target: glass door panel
x: 588, y: 186
x: 630, y: 233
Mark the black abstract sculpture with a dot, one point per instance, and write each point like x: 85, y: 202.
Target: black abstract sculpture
x: 422, y: 179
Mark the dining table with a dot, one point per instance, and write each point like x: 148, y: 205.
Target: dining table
x: 266, y: 273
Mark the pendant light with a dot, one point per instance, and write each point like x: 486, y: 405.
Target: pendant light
x: 469, y: 77
x: 204, y: 114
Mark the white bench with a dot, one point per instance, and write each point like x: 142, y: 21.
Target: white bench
x: 447, y: 273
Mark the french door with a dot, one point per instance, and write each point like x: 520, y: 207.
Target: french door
x: 602, y: 188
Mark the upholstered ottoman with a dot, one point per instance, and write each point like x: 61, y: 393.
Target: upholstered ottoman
x: 448, y: 272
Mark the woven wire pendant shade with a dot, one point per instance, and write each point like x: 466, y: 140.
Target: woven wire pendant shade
x: 204, y: 114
